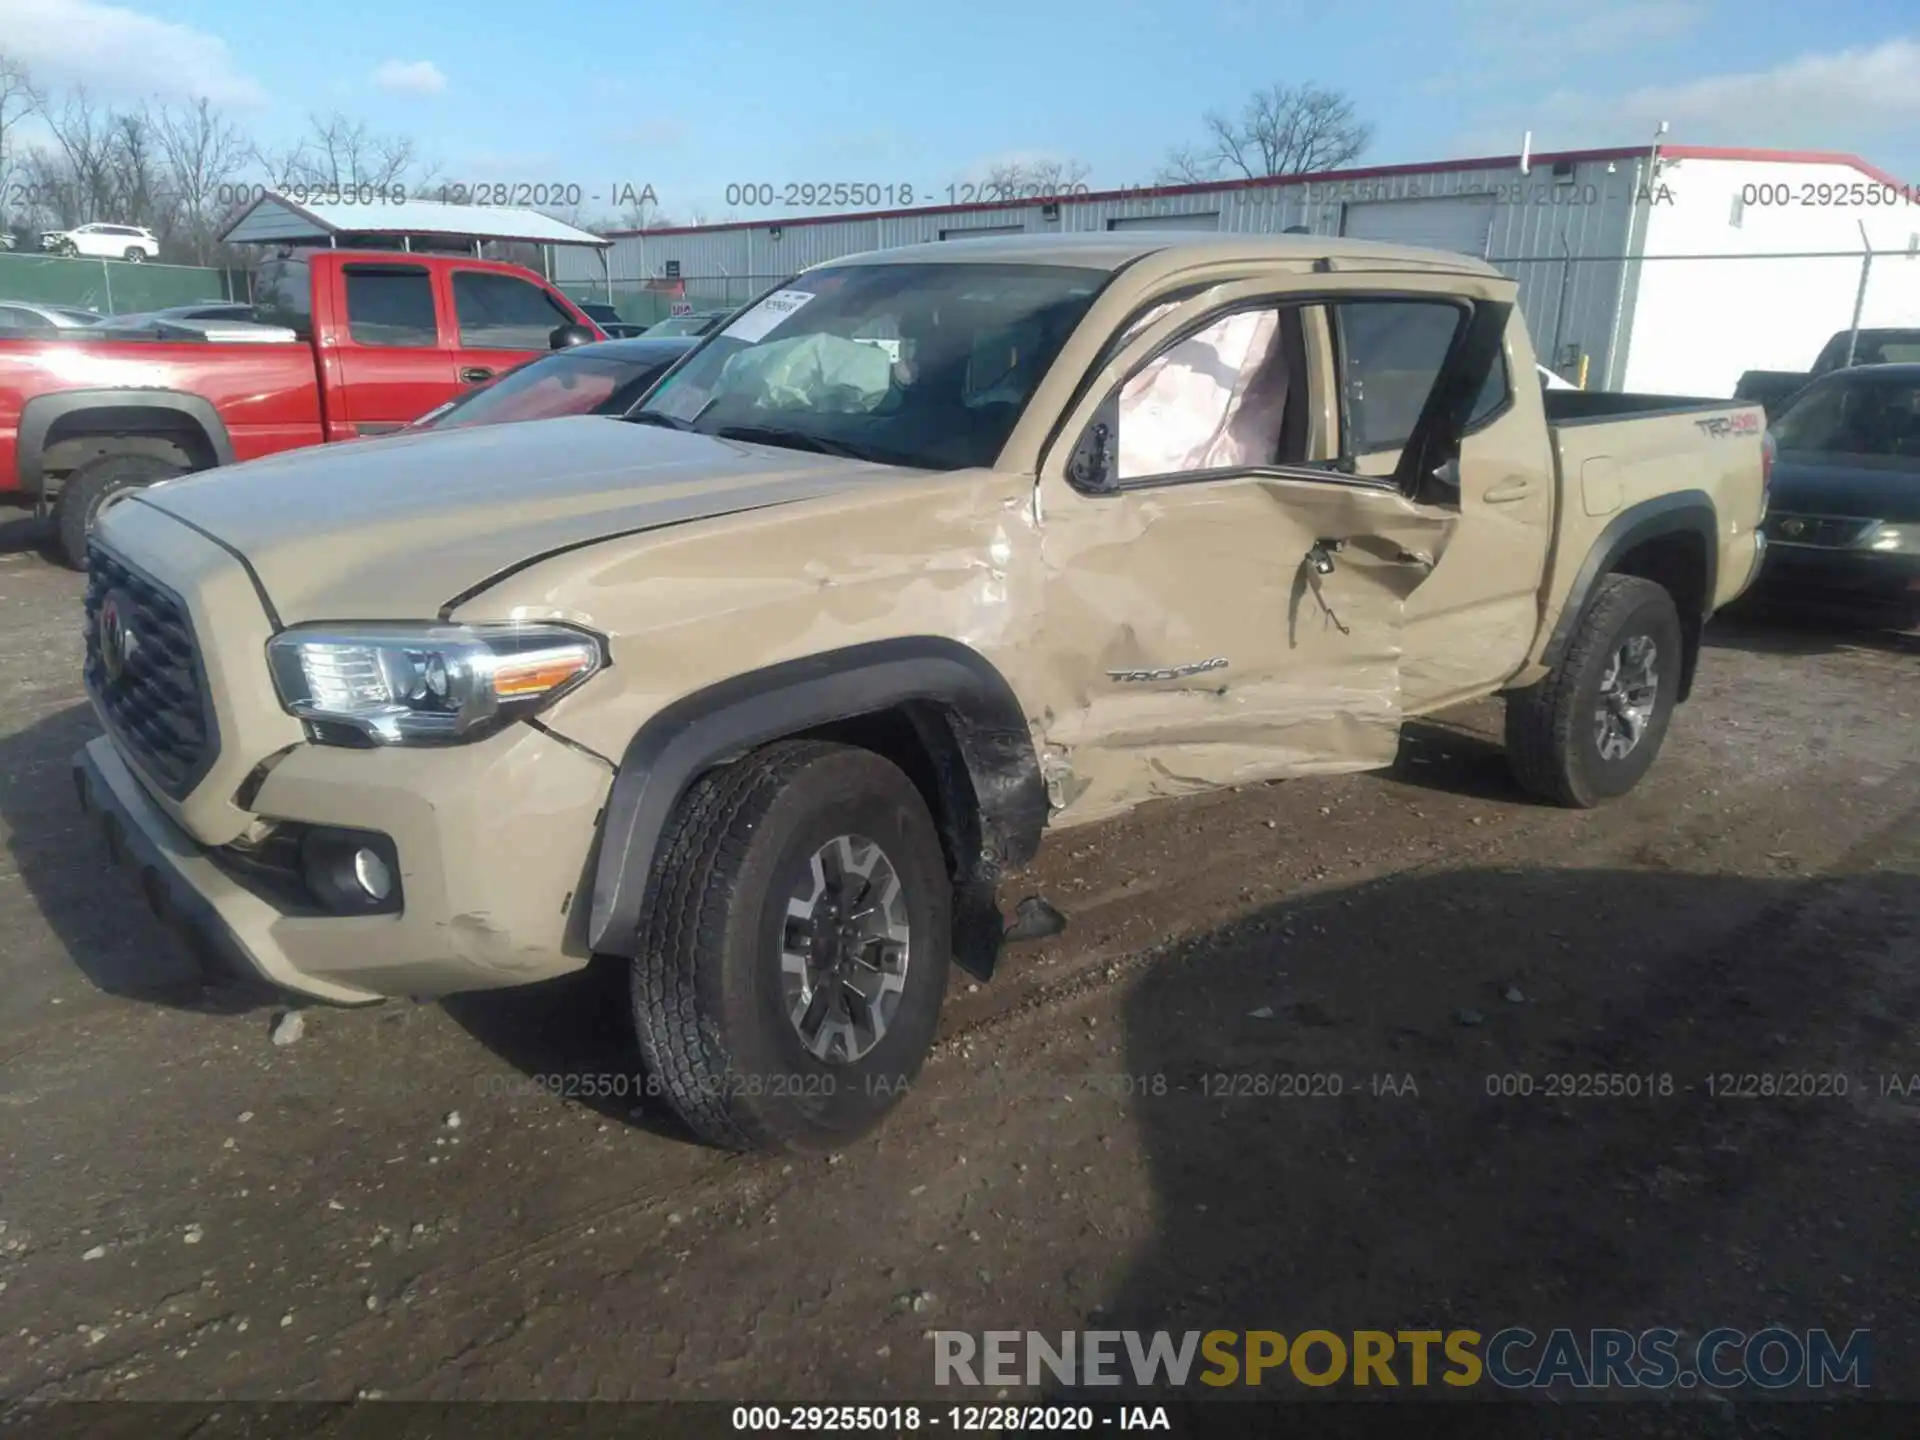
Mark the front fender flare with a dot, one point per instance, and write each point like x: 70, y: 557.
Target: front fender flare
x: 932, y: 674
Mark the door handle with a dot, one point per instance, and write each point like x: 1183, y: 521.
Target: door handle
x: 1320, y: 555
x: 474, y: 374
x: 1509, y: 491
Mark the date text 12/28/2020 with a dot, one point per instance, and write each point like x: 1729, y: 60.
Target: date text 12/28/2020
x: 617, y: 194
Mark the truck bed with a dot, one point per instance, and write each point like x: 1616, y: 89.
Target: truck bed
x: 1614, y: 452
x: 1579, y: 407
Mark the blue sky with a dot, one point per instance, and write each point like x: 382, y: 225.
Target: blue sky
x: 689, y: 98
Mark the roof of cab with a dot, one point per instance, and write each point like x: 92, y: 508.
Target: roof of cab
x: 1110, y: 250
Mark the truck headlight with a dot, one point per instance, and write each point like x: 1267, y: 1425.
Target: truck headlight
x: 1894, y: 539
x: 431, y: 684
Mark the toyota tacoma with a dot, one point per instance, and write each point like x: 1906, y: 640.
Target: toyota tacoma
x: 765, y: 686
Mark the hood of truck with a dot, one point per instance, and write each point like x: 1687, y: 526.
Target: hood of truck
x: 397, y: 528
x: 1866, y: 487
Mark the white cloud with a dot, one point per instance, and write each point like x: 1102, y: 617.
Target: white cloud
x: 1836, y: 99
x: 408, y: 77
x: 121, y: 52
x: 1574, y: 30
x: 1864, y: 100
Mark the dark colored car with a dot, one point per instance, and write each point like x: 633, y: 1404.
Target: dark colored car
x: 602, y: 379
x: 608, y: 319
x: 1843, y: 526
x: 1774, y: 389
x: 698, y: 323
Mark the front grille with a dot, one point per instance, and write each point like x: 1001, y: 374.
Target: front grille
x: 1832, y: 532
x: 150, y: 689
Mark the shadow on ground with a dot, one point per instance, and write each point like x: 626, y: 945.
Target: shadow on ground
x: 1773, y: 631
x: 1297, y: 1188
x: 95, y: 909
x: 575, y: 1037
x: 22, y: 534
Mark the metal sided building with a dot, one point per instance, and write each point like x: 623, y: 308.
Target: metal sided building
x: 1672, y: 268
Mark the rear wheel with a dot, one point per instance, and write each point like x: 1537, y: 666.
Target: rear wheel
x: 135, y: 254
x: 1593, y: 727
x: 794, y: 948
x: 89, y: 487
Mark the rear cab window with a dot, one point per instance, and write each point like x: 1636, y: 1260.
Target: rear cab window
x: 283, y: 295
x: 391, y: 306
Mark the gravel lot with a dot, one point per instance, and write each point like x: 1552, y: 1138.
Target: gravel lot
x: 389, y: 1205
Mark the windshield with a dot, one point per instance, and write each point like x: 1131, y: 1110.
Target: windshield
x: 682, y: 325
x: 557, y: 385
x: 1854, y: 414
x: 925, y: 365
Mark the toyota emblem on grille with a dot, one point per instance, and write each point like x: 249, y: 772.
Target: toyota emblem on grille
x: 117, y: 640
x: 1792, y: 527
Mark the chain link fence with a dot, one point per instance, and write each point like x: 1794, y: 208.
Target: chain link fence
x: 116, y: 287
x: 644, y: 302
x: 1687, y: 324
x: 1692, y: 324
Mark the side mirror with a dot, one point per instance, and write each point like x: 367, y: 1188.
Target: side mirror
x: 565, y: 337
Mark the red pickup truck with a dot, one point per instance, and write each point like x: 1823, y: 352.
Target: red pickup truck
x: 378, y: 338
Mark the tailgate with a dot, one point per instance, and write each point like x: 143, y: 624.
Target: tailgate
x: 1628, y: 462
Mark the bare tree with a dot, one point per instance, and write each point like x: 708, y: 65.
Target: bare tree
x: 1036, y: 178
x: 77, y: 179
x: 16, y: 103
x: 1282, y: 130
x: 341, y: 152
x: 205, y: 153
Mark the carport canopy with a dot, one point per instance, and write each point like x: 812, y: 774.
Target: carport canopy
x: 273, y: 219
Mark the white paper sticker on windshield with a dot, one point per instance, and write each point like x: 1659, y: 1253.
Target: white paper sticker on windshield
x: 762, y: 318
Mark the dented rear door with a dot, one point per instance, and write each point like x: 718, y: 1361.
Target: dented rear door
x: 1238, y: 616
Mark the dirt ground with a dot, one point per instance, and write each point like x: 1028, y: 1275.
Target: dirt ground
x: 389, y: 1206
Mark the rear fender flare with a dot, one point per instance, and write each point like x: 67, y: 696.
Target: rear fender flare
x: 1683, y: 512
x: 38, y: 416
x: 942, y: 684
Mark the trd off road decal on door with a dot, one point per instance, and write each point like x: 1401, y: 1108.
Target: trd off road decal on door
x: 1171, y: 672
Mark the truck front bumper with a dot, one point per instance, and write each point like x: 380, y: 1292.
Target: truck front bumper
x: 493, y: 843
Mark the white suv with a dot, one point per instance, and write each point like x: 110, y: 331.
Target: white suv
x: 111, y: 242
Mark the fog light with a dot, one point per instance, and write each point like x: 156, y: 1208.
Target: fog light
x: 351, y: 872
x: 372, y: 874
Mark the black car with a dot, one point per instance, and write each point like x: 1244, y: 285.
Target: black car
x: 609, y: 321
x: 698, y: 323
x: 1843, y: 522
x: 600, y: 379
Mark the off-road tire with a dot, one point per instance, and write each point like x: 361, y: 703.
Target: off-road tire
x: 715, y: 1036
x: 87, y: 489
x: 1551, y: 744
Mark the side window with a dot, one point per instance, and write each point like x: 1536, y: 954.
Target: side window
x: 1494, y: 394
x: 1388, y: 354
x: 1217, y: 400
x: 390, y: 305
x: 283, y: 295
x: 499, y: 312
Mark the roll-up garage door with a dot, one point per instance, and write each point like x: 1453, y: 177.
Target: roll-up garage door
x: 1208, y: 221
x: 1460, y: 223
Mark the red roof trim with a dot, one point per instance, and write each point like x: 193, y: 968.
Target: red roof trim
x: 1370, y: 172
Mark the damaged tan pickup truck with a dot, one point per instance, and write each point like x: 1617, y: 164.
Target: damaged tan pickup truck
x: 764, y: 686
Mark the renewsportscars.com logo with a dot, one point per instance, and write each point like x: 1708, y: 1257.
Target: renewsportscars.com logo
x: 1511, y: 1359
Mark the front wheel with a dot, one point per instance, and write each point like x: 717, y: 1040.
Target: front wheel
x: 1593, y: 727
x: 794, y: 948
x: 135, y: 255
x: 88, y: 488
